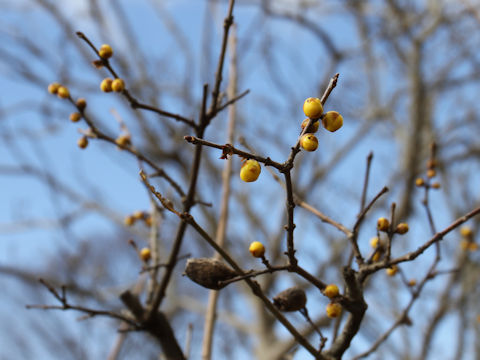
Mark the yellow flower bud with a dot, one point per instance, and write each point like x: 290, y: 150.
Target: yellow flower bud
x: 402, y: 228
x: 106, y: 85
x: 419, y: 182
x: 309, y: 142
x: 145, y: 254
x: 376, y: 256
x: 332, y: 121
x: 81, y: 104
x: 129, y: 220
x: 105, y: 51
x: 383, y: 224
x: 466, y: 231
x: 53, y: 88
x: 82, y: 142
x: 118, y: 85
x: 334, y: 310
x: 123, y: 140
x: 331, y: 291
x: 392, y: 270
x: 63, y: 92
x: 473, y: 246
x: 257, y: 249
x: 250, y: 170
x: 436, y: 185
x: 374, y: 242
x: 431, y: 173
x: 431, y: 164
x: 313, y: 127
x: 75, y: 117
x: 313, y: 108
x: 412, y: 282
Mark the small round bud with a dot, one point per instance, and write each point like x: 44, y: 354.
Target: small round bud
x: 436, y: 185
x: 419, y: 182
x: 257, y: 249
x: 334, y: 310
x: 62, y: 92
x: 82, y: 142
x: 431, y: 164
x: 75, y: 117
x: 105, y: 51
x: 118, y: 85
x: 145, y: 254
x: 250, y: 170
x: 431, y: 173
x: 292, y: 299
x: 331, y: 291
x: 376, y: 256
x: 383, y: 224
x: 402, y: 228
x: 81, y: 104
x: 309, y: 142
x: 106, y: 85
x: 332, y: 121
x: 374, y: 242
x: 412, y: 282
x: 392, y: 270
x: 466, y: 231
x: 473, y: 246
x: 53, y: 88
x: 313, y: 108
x: 313, y: 127
x: 129, y: 220
x: 123, y: 140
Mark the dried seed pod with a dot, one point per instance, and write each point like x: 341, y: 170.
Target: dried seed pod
x: 292, y: 299
x: 209, y: 272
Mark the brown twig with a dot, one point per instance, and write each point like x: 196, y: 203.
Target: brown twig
x: 230, y: 149
x: 65, y: 305
x: 134, y: 103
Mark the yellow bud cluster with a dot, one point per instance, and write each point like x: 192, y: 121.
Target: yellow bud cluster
x: 138, y: 215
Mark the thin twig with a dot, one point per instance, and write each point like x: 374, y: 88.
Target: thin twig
x: 134, y: 103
